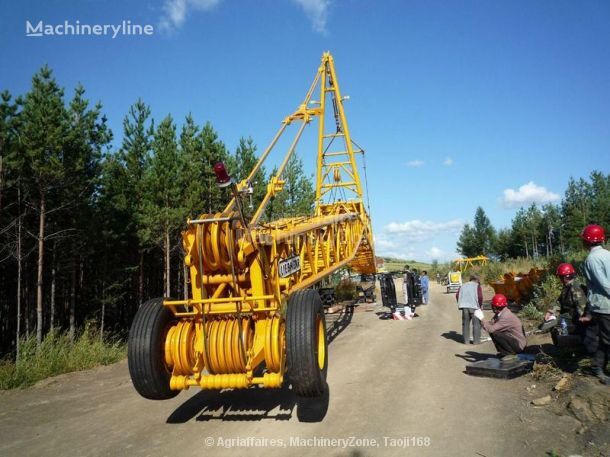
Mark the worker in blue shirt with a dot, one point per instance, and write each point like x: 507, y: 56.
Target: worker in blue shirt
x: 597, y: 272
x: 424, y: 281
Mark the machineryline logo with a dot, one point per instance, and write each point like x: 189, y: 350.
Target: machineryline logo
x: 67, y: 28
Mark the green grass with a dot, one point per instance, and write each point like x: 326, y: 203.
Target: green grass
x: 56, y: 355
x: 392, y: 264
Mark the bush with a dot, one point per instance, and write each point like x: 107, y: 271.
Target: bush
x: 346, y: 290
x: 546, y: 292
x: 493, y: 271
x: 529, y: 311
x: 56, y: 355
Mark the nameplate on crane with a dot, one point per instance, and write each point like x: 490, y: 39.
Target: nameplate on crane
x: 289, y: 266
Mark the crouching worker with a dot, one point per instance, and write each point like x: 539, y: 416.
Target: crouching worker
x: 572, y: 306
x: 505, y: 328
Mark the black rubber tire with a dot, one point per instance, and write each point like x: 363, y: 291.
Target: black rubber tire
x: 145, y: 354
x: 304, y: 310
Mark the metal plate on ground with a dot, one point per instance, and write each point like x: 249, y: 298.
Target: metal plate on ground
x: 498, y: 368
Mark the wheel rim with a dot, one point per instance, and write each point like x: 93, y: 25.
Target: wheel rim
x: 321, y: 346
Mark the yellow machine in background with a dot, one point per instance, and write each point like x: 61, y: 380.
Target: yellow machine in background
x: 466, y: 262
x: 251, y: 317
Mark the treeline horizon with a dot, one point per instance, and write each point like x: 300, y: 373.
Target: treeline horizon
x: 89, y: 231
x: 542, y: 230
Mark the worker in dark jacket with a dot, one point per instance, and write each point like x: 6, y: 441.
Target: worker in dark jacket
x: 505, y: 328
x: 572, y: 306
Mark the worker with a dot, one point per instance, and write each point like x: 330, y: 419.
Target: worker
x: 424, y: 280
x: 406, y: 282
x: 572, y: 304
x: 470, y: 298
x: 415, y: 297
x: 505, y: 328
x: 597, y: 273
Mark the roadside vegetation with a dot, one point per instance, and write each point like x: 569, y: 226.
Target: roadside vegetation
x: 393, y: 264
x: 59, y: 354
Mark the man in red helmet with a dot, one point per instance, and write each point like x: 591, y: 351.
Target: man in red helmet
x: 505, y: 328
x: 597, y: 272
x: 572, y: 303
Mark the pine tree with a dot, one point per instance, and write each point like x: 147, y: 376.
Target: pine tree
x: 467, y: 244
x: 214, y: 151
x: 575, y: 209
x: 8, y: 113
x: 11, y: 215
x: 298, y: 196
x: 600, y: 201
x: 245, y: 160
x: 484, y: 232
x: 162, y: 201
x: 192, y: 164
x: 134, y: 160
x: 87, y: 135
x: 550, y: 228
x: 479, y: 238
x: 43, y: 133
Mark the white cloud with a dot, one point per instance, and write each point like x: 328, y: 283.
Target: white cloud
x: 435, y: 253
x: 448, y: 162
x: 384, y: 244
x: 528, y: 193
x: 175, y: 11
x: 415, y: 163
x: 317, y: 12
x: 422, y: 230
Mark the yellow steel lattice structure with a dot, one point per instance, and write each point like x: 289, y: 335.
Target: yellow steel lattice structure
x: 465, y: 262
x: 249, y: 305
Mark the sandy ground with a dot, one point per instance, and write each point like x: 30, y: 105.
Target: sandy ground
x: 396, y: 388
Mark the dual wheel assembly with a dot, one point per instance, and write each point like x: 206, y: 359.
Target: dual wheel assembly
x: 155, y: 331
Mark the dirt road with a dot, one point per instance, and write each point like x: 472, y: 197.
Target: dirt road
x: 396, y: 388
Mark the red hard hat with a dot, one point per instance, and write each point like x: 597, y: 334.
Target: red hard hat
x: 499, y: 301
x: 565, y: 269
x: 593, y: 234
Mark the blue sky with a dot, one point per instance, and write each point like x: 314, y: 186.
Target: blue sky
x: 458, y: 104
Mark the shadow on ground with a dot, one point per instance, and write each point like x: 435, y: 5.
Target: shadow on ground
x: 454, y: 336
x: 264, y: 404
x: 336, y: 325
x: 472, y: 356
x: 246, y: 405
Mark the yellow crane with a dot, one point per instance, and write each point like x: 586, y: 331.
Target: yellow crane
x: 465, y: 262
x: 252, y: 317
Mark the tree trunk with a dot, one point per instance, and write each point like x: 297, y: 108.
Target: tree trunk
x: 102, y: 318
x: 53, y: 277
x: 72, y: 330
x: 41, y: 222
x: 1, y: 180
x: 141, y: 280
x: 18, y: 331
x: 26, y: 311
x: 534, y: 247
x: 167, y: 265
